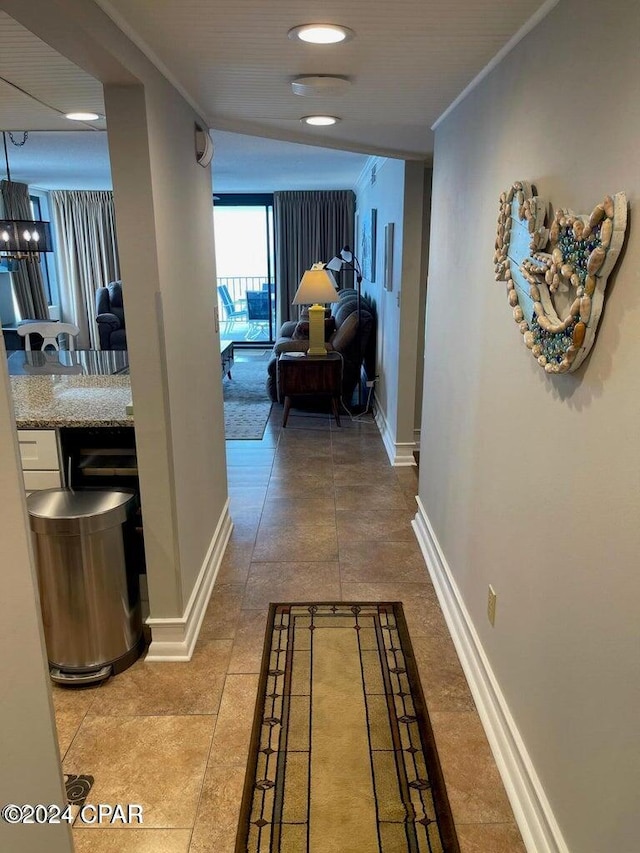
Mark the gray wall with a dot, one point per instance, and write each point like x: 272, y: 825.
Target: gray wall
x: 165, y: 237
x: 31, y: 770
x: 531, y: 482
x: 163, y: 201
x: 398, y: 195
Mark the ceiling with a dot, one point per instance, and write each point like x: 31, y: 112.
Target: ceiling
x: 71, y: 160
x: 407, y: 62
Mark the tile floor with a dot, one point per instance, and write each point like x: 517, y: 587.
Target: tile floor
x: 319, y: 514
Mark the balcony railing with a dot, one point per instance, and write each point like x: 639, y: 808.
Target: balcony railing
x: 242, y: 322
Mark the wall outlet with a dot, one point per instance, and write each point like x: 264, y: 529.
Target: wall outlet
x: 491, y: 605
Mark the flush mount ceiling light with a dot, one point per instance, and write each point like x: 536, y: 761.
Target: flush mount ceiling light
x: 82, y: 116
x: 321, y: 33
x: 320, y: 84
x: 320, y: 121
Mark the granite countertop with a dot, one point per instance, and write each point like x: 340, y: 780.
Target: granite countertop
x: 49, y: 402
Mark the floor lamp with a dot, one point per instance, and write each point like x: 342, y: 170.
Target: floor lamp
x: 347, y: 260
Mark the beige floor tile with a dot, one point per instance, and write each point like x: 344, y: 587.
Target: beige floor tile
x: 156, y: 762
x: 311, y: 539
x: 244, y: 456
x: 307, y: 421
x: 305, y: 484
x: 295, y: 581
x: 382, y: 562
x: 319, y: 508
x: 245, y: 523
x: 408, y: 480
x: 237, y: 559
x: 490, y: 838
x: 475, y: 790
x: 421, y: 608
x: 233, y: 727
x: 223, y: 611
x: 219, y: 810
x: 70, y: 705
x: 241, y: 475
x: 359, y: 473
x: 189, y: 687
x: 305, y: 431
x: 393, y: 525
x: 246, y: 655
x: 131, y: 840
x: 443, y: 681
x: 67, y: 725
x: 345, y: 450
x: 372, y: 498
x: 246, y: 497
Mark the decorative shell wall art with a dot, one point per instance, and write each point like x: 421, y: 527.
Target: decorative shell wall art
x: 572, y: 258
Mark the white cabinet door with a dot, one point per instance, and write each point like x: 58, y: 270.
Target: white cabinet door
x: 38, y: 449
x: 35, y: 480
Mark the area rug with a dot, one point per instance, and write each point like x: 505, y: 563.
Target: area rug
x: 246, y: 403
x: 343, y: 758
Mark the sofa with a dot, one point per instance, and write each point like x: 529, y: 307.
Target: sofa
x: 110, y: 316
x: 354, y: 340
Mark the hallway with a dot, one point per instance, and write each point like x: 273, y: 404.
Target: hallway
x: 319, y: 515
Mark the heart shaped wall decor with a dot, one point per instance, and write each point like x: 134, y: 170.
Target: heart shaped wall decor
x: 574, y: 256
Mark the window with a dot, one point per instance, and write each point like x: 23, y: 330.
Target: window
x: 243, y: 228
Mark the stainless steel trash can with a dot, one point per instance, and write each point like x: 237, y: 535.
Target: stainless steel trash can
x: 90, y: 597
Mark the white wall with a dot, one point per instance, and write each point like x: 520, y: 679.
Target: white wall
x: 532, y: 482
x: 398, y: 195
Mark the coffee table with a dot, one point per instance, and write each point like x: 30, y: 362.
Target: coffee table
x: 226, y: 356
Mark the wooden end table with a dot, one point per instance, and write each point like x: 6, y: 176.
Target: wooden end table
x: 310, y: 375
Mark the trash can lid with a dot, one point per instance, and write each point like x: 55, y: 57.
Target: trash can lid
x: 65, y: 511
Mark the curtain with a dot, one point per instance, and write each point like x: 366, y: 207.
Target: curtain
x: 87, y: 254
x: 27, y: 283
x: 309, y: 227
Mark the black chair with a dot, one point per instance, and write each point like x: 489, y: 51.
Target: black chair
x: 258, y: 307
x: 110, y: 319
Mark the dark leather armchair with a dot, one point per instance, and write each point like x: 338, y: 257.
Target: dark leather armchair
x: 110, y: 319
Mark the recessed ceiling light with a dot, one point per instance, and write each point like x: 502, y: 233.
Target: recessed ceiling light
x: 320, y: 84
x: 320, y: 121
x: 321, y: 33
x: 82, y: 116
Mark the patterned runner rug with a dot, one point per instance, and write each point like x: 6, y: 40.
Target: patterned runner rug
x: 246, y: 403
x: 342, y: 757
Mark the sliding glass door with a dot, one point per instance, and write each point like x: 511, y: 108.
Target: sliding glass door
x: 243, y: 227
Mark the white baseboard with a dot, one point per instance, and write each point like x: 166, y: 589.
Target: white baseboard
x: 400, y: 453
x: 173, y: 639
x: 538, y: 826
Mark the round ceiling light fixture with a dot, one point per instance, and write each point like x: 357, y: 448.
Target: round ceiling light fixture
x: 321, y: 33
x: 320, y: 121
x: 82, y: 116
x: 320, y: 84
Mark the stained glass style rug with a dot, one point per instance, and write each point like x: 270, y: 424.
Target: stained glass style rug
x: 342, y: 757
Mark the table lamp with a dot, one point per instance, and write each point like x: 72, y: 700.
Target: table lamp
x: 317, y: 287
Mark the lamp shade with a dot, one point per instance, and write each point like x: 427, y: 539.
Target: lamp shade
x: 316, y: 286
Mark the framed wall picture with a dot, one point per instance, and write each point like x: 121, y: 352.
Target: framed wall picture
x: 368, y: 247
x: 388, y: 255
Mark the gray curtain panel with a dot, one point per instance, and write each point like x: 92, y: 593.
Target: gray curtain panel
x: 27, y: 283
x: 310, y: 226
x: 87, y: 255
